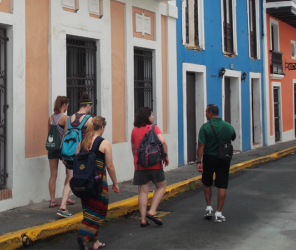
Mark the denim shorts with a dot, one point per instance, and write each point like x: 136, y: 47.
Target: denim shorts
x: 142, y: 177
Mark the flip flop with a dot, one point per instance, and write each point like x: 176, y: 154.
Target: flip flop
x: 146, y: 224
x: 101, y: 246
x: 53, y: 204
x: 154, y: 218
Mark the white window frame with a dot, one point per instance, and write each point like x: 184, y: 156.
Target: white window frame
x: 234, y: 27
x: 293, y: 42
x: 201, y: 25
x: 258, y: 48
x: 275, y: 23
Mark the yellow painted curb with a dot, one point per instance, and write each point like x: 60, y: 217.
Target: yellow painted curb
x: 14, y: 240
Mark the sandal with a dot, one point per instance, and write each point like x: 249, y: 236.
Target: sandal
x: 154, y: 218
x: 81, y: 243
x: 70, y: 202
x: 146, y: 224
x: 101, y: 246
x: 53, y: 204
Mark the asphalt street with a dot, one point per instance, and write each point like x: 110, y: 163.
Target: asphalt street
x: 260, y: 211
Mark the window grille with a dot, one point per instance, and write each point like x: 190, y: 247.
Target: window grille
x: 143, y: 91
x: 81, y: 73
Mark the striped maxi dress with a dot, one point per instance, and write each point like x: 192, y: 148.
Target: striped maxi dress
x: 95, y: 209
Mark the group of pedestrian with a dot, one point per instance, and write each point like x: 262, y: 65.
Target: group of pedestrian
x: 95, y: 208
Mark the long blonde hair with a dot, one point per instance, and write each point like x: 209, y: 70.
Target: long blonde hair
x: 95, y: 125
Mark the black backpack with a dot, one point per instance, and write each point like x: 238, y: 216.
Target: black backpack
x: 150, y: 151
x: 85, y: 182
x: 225, y: 149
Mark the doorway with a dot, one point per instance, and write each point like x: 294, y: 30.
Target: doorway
x: 276, y: 110
x: 232, y: 104
x: 191, y: 119
x: 295, y: 109
x: 256, y: 126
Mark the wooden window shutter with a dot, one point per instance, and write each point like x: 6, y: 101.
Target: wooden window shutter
x: 253, y: 32
x: 228, y: 26
x: 196, y: 40
x: 187, y: 22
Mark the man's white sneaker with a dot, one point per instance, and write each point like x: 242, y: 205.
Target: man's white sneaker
x: 219, y: 218
x: 208, y: 213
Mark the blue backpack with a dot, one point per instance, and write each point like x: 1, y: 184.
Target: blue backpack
x: 85, y: 182
x: 150, y: 151
x: 71, y: 139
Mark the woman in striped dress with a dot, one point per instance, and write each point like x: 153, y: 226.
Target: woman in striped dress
x: 95, y: 209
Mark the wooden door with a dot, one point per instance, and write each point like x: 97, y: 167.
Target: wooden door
x: 191, y: 118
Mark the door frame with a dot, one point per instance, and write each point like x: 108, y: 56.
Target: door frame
x: 235, y: 79
x: 257, y: 76
x: 197, y: 69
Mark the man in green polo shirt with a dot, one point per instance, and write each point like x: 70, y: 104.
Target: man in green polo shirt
x: 208, y: 150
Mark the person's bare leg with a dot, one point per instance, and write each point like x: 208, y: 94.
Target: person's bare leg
x: 159, y: 192
x: 208, y: 195
x: 221, y: 198
x: 53, y: 164
x: 67, y: 180
x: 143, y: 201
x: 67, y: 189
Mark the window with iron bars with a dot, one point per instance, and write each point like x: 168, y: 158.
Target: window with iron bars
x: 143, y: 84
x: 81, y: 73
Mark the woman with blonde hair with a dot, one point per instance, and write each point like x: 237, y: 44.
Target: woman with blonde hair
x: 95, y: 209
x: 57, y: 118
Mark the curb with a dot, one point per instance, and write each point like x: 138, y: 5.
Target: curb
x: 16, y: 239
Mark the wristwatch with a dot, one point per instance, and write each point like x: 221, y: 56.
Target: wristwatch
x: 198, y: 162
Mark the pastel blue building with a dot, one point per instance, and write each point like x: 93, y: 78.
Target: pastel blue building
x: 220, y: 61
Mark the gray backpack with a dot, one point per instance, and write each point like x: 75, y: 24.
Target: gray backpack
x: 150, y: 151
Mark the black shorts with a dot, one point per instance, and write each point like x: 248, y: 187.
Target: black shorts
x: 142, y: 177
x: 69, y: 165
x: 212, y: 165
x: 54, y: 156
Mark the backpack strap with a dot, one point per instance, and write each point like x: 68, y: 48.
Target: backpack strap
x: 69, y: 122
x: 214, y: 132
x: 84, y: 120
x: 96, y: 144
x: 153, y: 126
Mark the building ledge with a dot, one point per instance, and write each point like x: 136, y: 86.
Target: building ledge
x: 276, y: 76
x: 283, y: 10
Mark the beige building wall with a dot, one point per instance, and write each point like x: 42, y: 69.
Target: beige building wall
x: 118, y: 71
x: 5, y: 6
x: 36, y: 77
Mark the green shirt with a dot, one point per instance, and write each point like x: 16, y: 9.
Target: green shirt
x: 224, y: 131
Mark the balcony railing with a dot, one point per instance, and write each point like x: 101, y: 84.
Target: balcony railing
x: 276, y: 62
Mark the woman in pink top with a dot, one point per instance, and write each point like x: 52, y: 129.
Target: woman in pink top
x: 142, y: 176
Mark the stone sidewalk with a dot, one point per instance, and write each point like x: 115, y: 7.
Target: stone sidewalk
x: 39, y: 214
